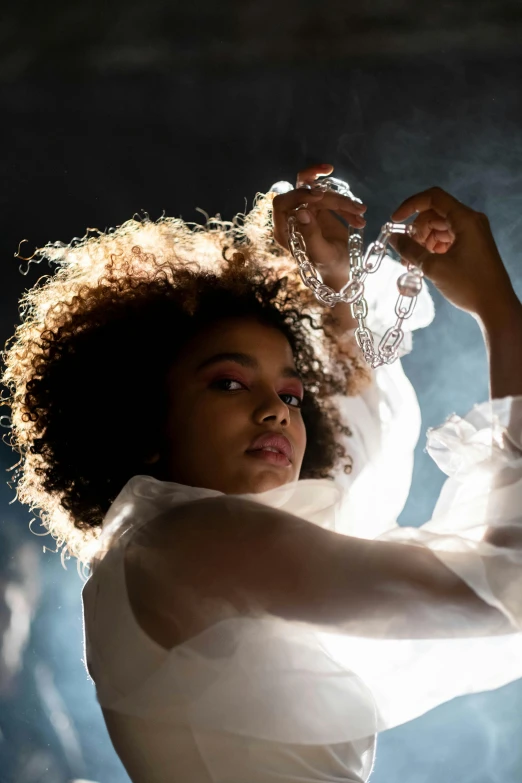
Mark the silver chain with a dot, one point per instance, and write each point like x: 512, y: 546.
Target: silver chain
x: 409, y: 284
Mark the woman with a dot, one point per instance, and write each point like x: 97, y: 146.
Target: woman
x: 254, y: 612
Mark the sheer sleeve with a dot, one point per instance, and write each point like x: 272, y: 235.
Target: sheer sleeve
x: 480, y: 504
x: 292, y: 682
x: 314, y: 686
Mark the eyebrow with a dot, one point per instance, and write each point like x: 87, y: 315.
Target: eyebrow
x: 246, y: 360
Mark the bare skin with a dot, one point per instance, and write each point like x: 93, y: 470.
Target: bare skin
x: 258, y: 557
x: 211, y: 426
x: 217, y: 412
x: 453, y: 244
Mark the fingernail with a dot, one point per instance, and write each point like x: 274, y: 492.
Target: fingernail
x: 303, y: 216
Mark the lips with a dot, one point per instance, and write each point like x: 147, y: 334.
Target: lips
x: 272, y: 440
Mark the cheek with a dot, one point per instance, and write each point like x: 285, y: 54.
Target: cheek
x: 301, y: 435
x: 206, y: 422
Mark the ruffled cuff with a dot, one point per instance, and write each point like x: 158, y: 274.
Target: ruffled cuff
x: 489, y: 435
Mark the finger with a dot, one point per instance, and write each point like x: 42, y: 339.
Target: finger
x: 440, y: 248
x: 322, y: 199
x: 317, y: 246
x: 283, y: 205
x: 357, y: 221
x: 309, y: 175
x: 328, y: 200
x: 287, y: 201
x: 339, y: 203
x: 438, y: 242
x: 441, y: 236
x: 327, y: 224
x: 436, y: 199
x: 410, y: 251
x: 430, y: 222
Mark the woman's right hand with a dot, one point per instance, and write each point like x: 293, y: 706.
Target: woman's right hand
x: 326, y: 238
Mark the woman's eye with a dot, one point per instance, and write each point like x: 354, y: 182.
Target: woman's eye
x: 226, y: 380
x: 295, y: 397
x: 220, y: 383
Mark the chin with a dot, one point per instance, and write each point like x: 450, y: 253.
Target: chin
x: 267, y: 480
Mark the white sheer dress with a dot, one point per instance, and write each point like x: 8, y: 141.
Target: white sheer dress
x: 261, y: 699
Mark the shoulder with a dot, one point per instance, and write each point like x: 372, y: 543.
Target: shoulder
x: 206, y: 559
x: 227, y: 540
x: 224, y: 519
x: 228, y: 549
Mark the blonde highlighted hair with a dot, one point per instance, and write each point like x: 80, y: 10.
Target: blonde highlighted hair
x: 83, y: 331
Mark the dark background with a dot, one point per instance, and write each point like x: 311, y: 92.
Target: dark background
x: 107, y: 109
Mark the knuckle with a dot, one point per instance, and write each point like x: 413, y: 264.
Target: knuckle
x: 478, y: 217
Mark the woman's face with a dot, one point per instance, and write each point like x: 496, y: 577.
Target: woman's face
x: 219, y: 405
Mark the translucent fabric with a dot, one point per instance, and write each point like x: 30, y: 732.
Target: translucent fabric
x: 259, y: 698
x: 267, y: 680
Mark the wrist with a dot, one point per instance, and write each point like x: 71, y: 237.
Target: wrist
x: 502, y: 332
x: 501, y: 316
x: 341, y: 312
x: 334, y: 280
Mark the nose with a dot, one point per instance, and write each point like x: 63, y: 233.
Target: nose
x: 273, y: 407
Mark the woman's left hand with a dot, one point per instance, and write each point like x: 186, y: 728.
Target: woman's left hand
x: 325, y: 236
x: 456, y: 250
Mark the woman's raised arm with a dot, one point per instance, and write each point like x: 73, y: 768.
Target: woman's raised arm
x: 226, y: 556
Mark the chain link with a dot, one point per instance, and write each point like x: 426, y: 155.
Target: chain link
x: 409, y: 284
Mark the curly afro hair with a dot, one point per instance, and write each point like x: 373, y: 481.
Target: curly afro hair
x: 87, y: 365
